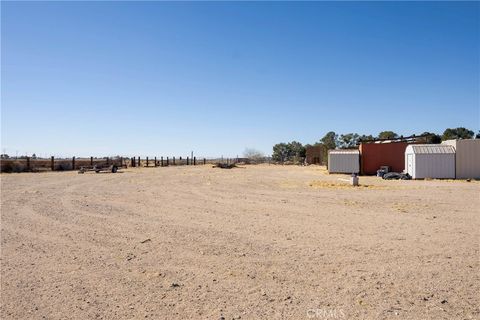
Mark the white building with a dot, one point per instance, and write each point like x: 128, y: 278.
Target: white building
x: 467, y: 158
x: 430, y: 161
x: 344, y: 161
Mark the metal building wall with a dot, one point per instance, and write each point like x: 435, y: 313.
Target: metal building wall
x: 430, y: 161
x: 343, y: 161
x: 375, y: 155
x: 467, y: 158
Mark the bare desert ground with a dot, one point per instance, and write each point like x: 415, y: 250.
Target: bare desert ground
x: 264, y: 242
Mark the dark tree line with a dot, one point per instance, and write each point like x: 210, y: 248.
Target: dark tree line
x: 294, y: 151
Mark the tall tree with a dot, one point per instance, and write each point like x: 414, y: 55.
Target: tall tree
x: 292, y: 151
x: 457, y: 133
x: 296, y: 149
x: 477, y: 136
x: 330, y: 140
x: 365, y: 137
x: 431, y: 138
x: 280, y: 152
x: 387, y: 135
x: 348, y: 140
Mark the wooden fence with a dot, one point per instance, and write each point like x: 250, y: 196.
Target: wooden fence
x: 27, y: 164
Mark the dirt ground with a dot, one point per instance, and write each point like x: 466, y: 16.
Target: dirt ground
x: 264, y: 242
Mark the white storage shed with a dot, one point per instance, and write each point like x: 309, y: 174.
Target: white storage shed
x: 430, y: 161
x: 467, y: 158
x: 344, y: 161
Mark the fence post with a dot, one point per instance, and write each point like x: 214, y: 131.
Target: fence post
x: 173, y: 159
x: 194, y: 161
x: 155, y: 161
x: 204, y: 161
x: 91, y: 161
x: 167, y: 162
x: 139, y: 163
x: 161, y: 161
x: 73, y: 163
x: 147, y: 161
x: 52, y: 163
x: 187, y: 161
x: 28, y: 163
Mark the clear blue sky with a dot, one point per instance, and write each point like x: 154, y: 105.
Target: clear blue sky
x: 153, y: 78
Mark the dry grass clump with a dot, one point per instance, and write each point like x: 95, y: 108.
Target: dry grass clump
x: 342, y: 185
x: 13, y: 166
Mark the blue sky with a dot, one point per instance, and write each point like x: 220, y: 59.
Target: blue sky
x: 155, y: 78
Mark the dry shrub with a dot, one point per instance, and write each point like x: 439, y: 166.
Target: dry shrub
x: 62, y: 166
x: 13, y: 166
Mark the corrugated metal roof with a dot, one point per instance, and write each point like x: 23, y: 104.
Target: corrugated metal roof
x: 344, y: 151
x: 431, y: 148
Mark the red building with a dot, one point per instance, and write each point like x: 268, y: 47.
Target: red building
x: 382, y: 153
x: 315, y: 154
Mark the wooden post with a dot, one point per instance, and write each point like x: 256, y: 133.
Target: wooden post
x: 73, y: 163
x: 155, y: 161
x: 204, y: 161
x: 173, y: 159
x: 121, y: 162
x: 167, y: 161
x: 139, y: 163
x: 91, y: 161
x: 194, y: 161
x: 161, y: 161
x: 147, y: 161
x: 187, y: 161
x: 28, y: 163
x: 52, y: 163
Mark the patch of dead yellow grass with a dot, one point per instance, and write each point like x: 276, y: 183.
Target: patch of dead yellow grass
x: 343, y: 185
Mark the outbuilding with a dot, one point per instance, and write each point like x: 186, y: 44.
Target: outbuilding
x: 467, y: 158
x: 314, y: 154
x: 344, y: 161
x: 430, y: 161
x: 377, y: 154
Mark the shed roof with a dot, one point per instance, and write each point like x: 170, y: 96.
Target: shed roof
x: 344, y: 151
x: 430, y: 148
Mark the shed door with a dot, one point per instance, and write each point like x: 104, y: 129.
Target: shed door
x: 410, y: 164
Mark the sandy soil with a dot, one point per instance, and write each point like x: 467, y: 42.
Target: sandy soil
x: 265, y: 242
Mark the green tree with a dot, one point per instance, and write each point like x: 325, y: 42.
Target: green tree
x: 431, y: 138
x: 348, y: 140
x: 365, y: 137
x: 280, y: 152
x: 457, y: 133
x: 387, y: 135
x: 477, y: 136
x: 296, y: 149
x: 330, y: 140
x: 291, y: 151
